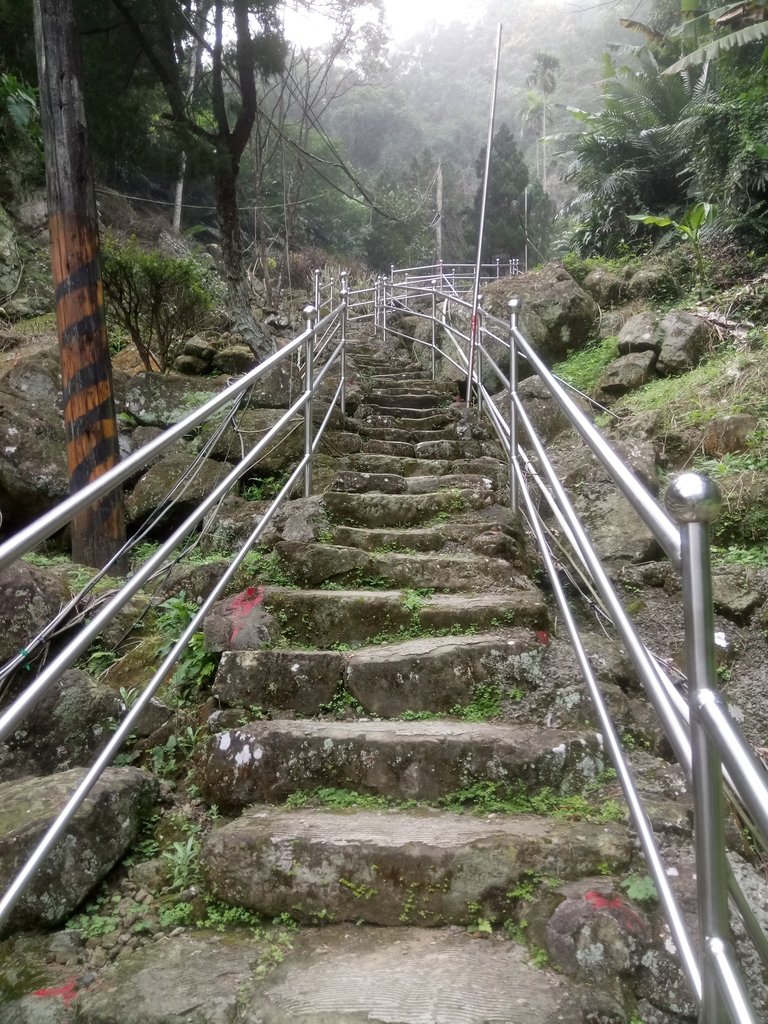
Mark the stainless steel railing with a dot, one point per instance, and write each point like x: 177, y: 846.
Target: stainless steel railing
x: 322, y: 346
x: 704, y: 737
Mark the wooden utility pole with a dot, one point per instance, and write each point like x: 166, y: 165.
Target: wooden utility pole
x: 89, y: 406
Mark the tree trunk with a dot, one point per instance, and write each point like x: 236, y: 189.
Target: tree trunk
x: 98, y: 532
x: 228, y: 216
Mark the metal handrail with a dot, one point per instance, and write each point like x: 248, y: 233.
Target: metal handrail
x: 703, y: 735
x: 308, y: 342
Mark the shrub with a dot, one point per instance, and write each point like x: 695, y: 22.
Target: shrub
x: 160, y: 300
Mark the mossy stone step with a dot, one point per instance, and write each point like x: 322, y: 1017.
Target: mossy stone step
x: 378, y: 510
x: 322, y: 618
x: 428, y: 674
x: 400, y: 399
x: 456, y: 449
x: 405, y: 419
x: 353, y: 482
x: 315, y: 564
x: 264, y: 762
x: 396, y: 868
x: 334, y: 975
x: 369, y: 462
x: 409, y: 436
x: 402, y: 449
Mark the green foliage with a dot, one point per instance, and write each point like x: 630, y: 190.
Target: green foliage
x: 486, y: 704
x: 181, y: 863
x: 267, y: 569
x: 640, y: 888
x: 486, y: 797
x: 159, y: 300
x: 691, y: 225
x: 504, y: 235
x: 196, y: 666
x: 628, y: 154
x: 342, y: 703
x: 339, y: 799
x: 265, y: 487
x: 583, y: 369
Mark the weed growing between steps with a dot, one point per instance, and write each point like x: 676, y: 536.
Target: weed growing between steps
x: 481, y: 798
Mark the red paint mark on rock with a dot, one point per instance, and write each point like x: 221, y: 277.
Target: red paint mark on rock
x: 543, y: 637
x: 67, y: 992
x: 600, y: 902
x: 241, y: 606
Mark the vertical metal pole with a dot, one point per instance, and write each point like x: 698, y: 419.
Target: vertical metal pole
x: 525, y: 226
x: 498, y: 261
x: 317, y: 290
x: 377, y: 302
x: 486, y: 175
x: 344, y: 313
x: 514, y: 306
x: 310, y: 319
x: 440, y: 272
x: 434, y: 324
x: 330, y: 300
x: 384, y: 309
x: 694, y: 501
x: 479, y: 353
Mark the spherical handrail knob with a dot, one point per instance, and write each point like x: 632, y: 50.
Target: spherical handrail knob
x: 309, y: 312
x: 515, y: 305
x: 693, y: 498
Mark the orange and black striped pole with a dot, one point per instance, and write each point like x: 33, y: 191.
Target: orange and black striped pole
x: 89, y: 406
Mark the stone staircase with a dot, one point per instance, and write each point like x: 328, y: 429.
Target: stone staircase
x: 416, y: 597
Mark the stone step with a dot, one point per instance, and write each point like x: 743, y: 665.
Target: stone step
x: 433, y: 674
x: 334, y: 975
x: 391, y: 483
x: 396, y: 868
x: 264, y: 762
x: 384, y: 379
x: 322, y: 618
x: 378, y: 510
x: 400, y: 449
x: 365, y: 462
x: 419, y: 400
x: 409, y: 436
x: 314, y: 564
x: 415, y: 419
x: 456, y: 449
x: 494, y: 533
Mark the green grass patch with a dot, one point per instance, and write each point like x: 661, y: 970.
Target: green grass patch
x: 583, y: 369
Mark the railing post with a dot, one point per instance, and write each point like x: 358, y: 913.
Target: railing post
x: 310, y: 319
x: 344, y: 313
x: 434, y: 324
x: 317, y: 290
x: 498, y: 261
x: 514, y: 306
x: 384, y: 309
x: 479, y: 353
x: 511, y: 271
x: 377, y: 302
x: 693, y: 501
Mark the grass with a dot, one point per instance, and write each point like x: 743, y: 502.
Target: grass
x: 583, y: 369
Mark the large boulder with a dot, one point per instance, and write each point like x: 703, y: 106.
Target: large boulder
x: 160, y: 400
x: 685, y: 339
x: 68, y: 725
x: 557, y: 314
x: 94, y: 841
x: 640, y: 334
x: 605, y: 287
x: 29, y: 598
x: 156, y: 484
x: 33, y: 459
x: 627, y: 373
x: 10, y: 260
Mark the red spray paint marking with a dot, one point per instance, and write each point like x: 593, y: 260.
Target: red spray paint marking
x: 600, y: 902
x: 67, y: 991
x: 631, y: 920
x: 543, y: 637
x: 241, y: 607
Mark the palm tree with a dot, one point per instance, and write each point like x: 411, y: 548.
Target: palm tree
x: 634, y: 154
x: 544, y: 78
